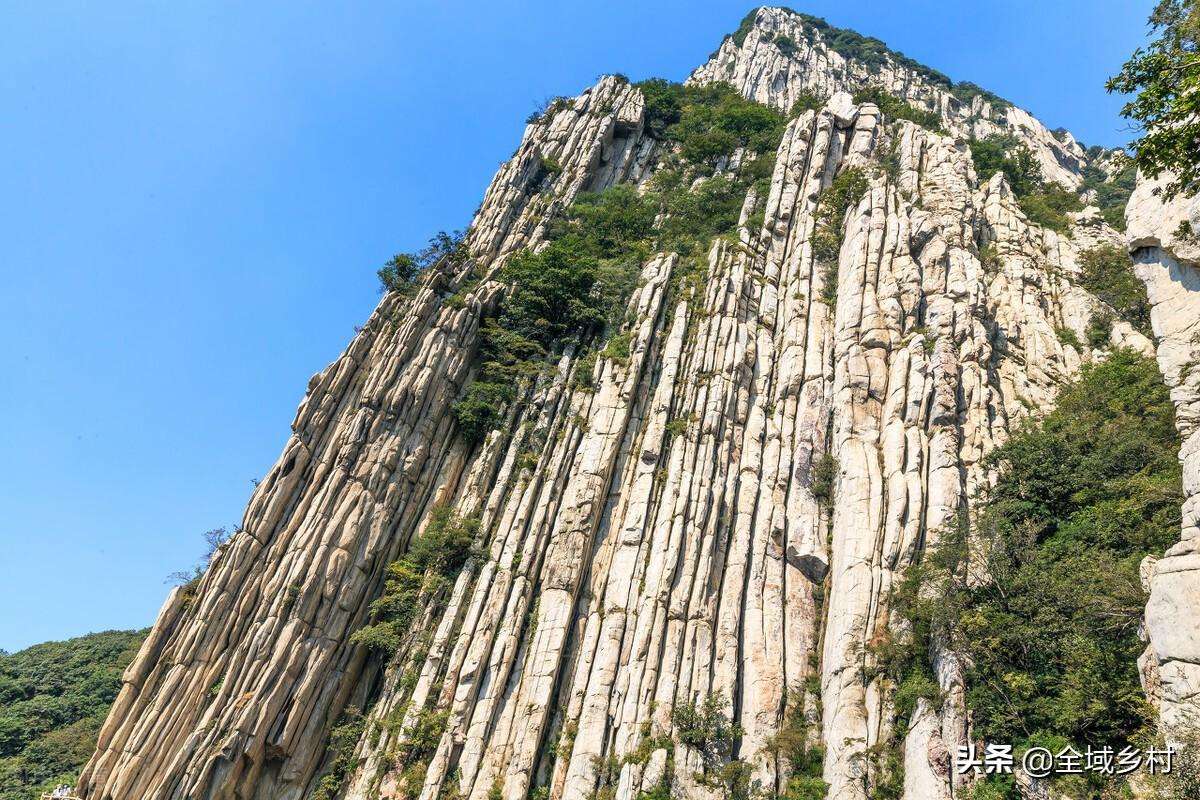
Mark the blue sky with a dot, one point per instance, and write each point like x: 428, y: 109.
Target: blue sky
x: 194, y: 198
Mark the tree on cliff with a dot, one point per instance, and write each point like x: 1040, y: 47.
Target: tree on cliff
x: 1165, y: 79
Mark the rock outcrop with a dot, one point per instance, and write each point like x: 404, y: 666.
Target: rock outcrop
x: 1166, y: 253
x: 717, y: 515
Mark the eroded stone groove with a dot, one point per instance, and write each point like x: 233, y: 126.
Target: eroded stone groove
x: 656, y: 539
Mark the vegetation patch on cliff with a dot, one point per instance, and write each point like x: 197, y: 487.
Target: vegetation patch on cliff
x: 1050, y: 632
x: 894, y: 108
x: 575, y: 288
x: 422, y: 577
x: 1107, y: 272
x: 1045, y: 204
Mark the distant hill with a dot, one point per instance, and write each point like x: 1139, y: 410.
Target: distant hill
x: 53, y: 700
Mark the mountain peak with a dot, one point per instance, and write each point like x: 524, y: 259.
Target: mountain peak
x: 779, y: 56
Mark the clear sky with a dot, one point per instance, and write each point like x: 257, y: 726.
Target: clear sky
x: 194, y: 198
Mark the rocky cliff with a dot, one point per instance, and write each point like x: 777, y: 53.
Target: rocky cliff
x: 711, y: 515
x: 1162, y: 241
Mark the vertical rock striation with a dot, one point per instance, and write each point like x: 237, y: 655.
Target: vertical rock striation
x: 659, y: 534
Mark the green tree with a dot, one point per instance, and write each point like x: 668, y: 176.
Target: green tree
x: 1107, y: 272
x: 1005, y: 154
x: 402, y: 269
x: 1165, y: 79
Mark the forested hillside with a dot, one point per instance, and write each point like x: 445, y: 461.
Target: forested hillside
x: 53, y: 699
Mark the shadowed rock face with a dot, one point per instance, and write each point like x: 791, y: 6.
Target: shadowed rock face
x: 655, y: 539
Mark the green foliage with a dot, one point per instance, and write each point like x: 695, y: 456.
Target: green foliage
x: 399, y: 271
x: 710, y: 122
x: 1080, y: 499
x: 694, y: 215
x: 966, y: 91
x: 786, y: 44
x: 340, y: 754
x: 617, y: 347
x: 421, y: 577
x: 1165, y: 79
x: 1006, y: 154
x: 1107, y: 272
x: 806, y: 762
x: 1068, y: 337
x: 707, y: 730
x: 990, y: 258
x: 189, y: 580
x: 1111, y: 194
x: 868, y: 50
x: 1099, y: 329
x: 834, y: 201
x: 549, y: 166
x: 1044, y: 204
x: 420, y: 742
x: 807, y: 101
x: 894, y: 108
x: 824, y: 476
x: 573, y: 286
x: 1050, y: 206
x: 402, y: 269
x: 995, y: 787
x: 1051, y: 634
x: 744, y: 27
x: 576, y: 286
x: 678, y: 426
x: 53, y: 700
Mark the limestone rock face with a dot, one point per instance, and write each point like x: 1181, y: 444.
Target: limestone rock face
x: 653, y: 536
x: 1167, y: 259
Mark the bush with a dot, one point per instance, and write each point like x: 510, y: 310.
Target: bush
x: 1068, y: 337
x: 807, y: 101
x: 1111, y: 194
x: 707, y: 730
x: 343, y: 740
x: 1049, y: 208
x: 709, y: 122
x: 895, y: 108
x: 845, y: 190
x: 402, y: 269
x: 965, y: 92
x: 1006, y: 154
x: 1107, y: 272
x: 786, y: 44
x: 824, y: 476
x: 418, y: 579
x: 1099, y: 329
x: 575, y: 285
x: 694, y: 216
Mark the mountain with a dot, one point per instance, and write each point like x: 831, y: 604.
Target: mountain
x: 636, y: 489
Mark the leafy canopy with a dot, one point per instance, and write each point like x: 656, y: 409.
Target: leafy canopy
x: 1165, y: 79
x: 402, y: 269
x: 1107, y: 272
